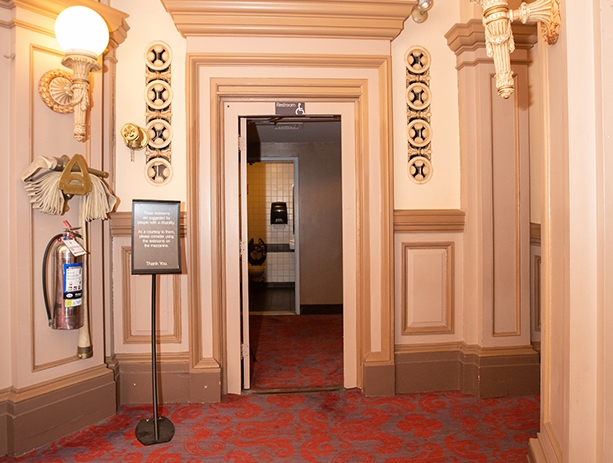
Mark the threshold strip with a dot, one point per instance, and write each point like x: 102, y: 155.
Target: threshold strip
x: 292, y: 390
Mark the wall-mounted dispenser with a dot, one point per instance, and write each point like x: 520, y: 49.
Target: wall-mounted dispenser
x: 278, y: 213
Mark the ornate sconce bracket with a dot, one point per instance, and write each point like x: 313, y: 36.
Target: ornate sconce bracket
x: 65, y: 93
x: 497, y: 19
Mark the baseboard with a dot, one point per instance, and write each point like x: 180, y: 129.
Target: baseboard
x: 378, y: 380
x: 176, y: 384
x: 38, y: 415
x: 3, y: 423
x: 493, y: 372
x: 427, y: 371
x: 321, y: 309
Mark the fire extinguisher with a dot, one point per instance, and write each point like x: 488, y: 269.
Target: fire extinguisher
x: 65, y: 311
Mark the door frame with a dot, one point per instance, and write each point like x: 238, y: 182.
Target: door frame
x: 296, y: 77
x: 236, y: 347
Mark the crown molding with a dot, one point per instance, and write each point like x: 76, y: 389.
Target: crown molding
x: 471, y: 35
x: 355, y: 19
x: 115, y: 19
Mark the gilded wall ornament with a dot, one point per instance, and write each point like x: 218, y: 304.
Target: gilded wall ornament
x: 158, y: 98
x: 418, y: 99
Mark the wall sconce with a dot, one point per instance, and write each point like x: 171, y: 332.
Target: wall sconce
x: 83, y: 35
x: 499, y: 41
x: 420, y: 12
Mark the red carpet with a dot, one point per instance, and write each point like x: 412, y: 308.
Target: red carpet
x: 322, y: 427
x: 296, y: 351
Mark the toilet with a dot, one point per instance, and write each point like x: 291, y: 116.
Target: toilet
x: 257, y: 261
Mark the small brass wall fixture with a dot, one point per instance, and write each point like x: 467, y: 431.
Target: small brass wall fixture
x: 420, y: 12
x: 135, y: 137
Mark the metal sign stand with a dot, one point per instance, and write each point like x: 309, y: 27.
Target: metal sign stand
x: 159, y: 429
x: 155, y: 250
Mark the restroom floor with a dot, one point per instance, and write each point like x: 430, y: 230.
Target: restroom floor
x: 264, y: 299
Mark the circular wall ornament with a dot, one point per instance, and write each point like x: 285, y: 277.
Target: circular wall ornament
x: 420, y: 169
x: 419, y: 133
x: 158, y: 56
x: 158, y: 94
x: 55, y: 89
x: 160, y: 134
x: 417, y: 60
x: 158, y: 171
x: 418, y: 96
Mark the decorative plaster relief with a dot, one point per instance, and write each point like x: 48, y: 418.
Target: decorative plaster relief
x: 418, y: 99
x: 158, y: 98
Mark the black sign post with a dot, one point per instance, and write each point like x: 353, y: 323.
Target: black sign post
x: 156, y: 249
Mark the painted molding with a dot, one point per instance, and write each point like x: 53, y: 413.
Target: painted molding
x: 470, y: 36
x: 115, y: 19
x: 446, y: 325
x: 467, y: 349
x: 349, y: 90
x: 75, y: 401
x: 535, y: 233
x: 177, y: 382
x: 536, y: 277
x: 476, y: 370
x: 121, y: 224
x: 429, y: 220
x: 359, y: 19
x: 126, y: 284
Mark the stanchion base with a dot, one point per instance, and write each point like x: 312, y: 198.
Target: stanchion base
x: 145, y: 431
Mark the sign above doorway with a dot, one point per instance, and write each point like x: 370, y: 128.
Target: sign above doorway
x: 289, y: 108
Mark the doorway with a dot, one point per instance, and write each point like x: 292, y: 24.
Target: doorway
x: 295, y: 241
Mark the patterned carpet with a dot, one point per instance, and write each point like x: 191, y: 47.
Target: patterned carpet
x: 296, y: 351
x: 322, y: 427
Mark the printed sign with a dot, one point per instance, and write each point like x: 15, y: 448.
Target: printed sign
x: 288, y: 108
x: 156, y: 243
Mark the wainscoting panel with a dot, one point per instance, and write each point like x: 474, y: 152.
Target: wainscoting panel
x: 131, y: 313
x: 427, y: 303
x: 428, y: 278
x: 137, y: 306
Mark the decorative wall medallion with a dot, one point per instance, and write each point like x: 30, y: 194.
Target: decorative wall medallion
x: 158, y: 98
x: 418, y: 99
x: 159, y: 171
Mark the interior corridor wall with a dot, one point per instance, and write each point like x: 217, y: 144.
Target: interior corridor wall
x: 5, y: 245
x: 443, y: 190
x: 155, y: 25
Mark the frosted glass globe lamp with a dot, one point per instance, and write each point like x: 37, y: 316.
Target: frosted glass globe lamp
x: 83, y: 35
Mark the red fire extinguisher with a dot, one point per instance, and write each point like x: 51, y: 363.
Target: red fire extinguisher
x: 65, y: 311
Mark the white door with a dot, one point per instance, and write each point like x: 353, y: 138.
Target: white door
x: 244, y: 238
x: 237, y: 294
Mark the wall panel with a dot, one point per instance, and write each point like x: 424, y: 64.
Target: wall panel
x: 428, y: 299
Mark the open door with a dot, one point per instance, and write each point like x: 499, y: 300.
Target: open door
x: 244, y: 238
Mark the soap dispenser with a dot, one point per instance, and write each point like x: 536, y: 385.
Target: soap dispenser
x: 278, y: 213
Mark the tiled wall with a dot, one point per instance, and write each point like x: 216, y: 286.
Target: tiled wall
x: 269, y: 182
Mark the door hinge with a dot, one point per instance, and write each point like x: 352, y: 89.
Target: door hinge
x: 244, y: 350
x: 241, y: 143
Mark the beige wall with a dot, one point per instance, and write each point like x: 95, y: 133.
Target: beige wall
x: 321, y: 238
x: 148, y: 23
x: 577, y: 414
x: 443, y: 190
x: 6, y: 48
